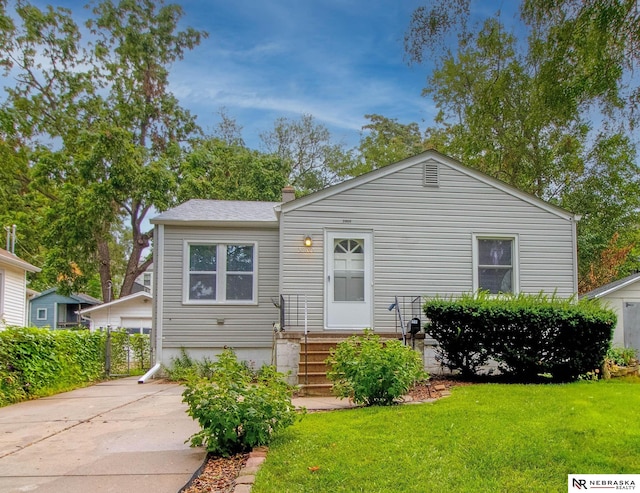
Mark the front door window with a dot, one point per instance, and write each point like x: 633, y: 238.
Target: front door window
x: 348, y: 269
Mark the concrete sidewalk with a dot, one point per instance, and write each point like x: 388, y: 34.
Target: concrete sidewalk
x: 117, y: 436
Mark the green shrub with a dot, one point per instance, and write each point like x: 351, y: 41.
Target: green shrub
x: 236, y: 408
x: 183, y: 367
x: 372, y: 372
x: 38, y: 362
x: 140, y: 347
x: 527, y: 335
x: 621, y: 356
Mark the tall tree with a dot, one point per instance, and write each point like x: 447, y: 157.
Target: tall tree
x: 215, y: 169
x: 306, y: 147
x: 384, y: 141
x: 508, y: 109
x: 102, y: 129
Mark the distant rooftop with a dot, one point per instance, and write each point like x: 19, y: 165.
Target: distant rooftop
x: 612, y: 286
x: 17, y: 261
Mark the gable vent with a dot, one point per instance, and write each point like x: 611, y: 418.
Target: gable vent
x: 431, y: 175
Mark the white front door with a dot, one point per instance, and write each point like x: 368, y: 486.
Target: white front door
x: 349, y: 290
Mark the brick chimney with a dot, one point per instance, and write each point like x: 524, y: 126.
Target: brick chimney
x: 288, y: 194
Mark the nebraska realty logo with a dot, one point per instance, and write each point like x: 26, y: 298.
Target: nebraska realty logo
x: 607, y: 482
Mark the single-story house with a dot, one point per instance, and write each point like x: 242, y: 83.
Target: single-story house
x: 13, y: 289
x: 232, y: 273
x: 623, y: 297
x: 57, y: 311
x: 131, y: 312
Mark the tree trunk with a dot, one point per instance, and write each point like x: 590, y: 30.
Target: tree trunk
x: 141, y: 241
x: 104, y: 268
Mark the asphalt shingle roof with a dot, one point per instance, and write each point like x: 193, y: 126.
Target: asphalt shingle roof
x: 200, y: 210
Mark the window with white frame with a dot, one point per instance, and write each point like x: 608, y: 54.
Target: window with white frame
x: 495, y: 263
x: 221, y: 273
x: 41, y: 314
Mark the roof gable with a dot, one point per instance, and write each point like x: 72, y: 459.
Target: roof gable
x: 74, y: 298
x: 425, y: 157
x: 141, y: 296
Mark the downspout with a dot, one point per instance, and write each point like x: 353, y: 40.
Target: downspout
x: 158, y: 297
x: 150, y: 373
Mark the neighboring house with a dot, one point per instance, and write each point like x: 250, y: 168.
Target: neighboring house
x: 131, y: 312
x: 13, y: 289
x: 622, y: 296
x: 144, y: 282
x: 56, y: 311
x: 424, y: 226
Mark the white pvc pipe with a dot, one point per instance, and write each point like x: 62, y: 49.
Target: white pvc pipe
x: 150, y: 373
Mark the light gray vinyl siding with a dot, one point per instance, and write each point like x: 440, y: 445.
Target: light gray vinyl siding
x: 423, y: 237
x: 196, y: 326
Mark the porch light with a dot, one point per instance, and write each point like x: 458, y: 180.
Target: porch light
x: 308, y: 242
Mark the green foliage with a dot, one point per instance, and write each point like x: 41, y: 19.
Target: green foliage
x: 140, y: 347
x: 237, y: 409
x: 113, y: 132
x: 528, y: 335
x: 522, y: 110
x: 38, y: 362
x: 387, y: 141
x: 128, y: 353
x: 183, y: 367
x: 215, y: 169
x: 118, y: 340
x: 621, y: 356
x: 373, y: 372
x: 312, y: 160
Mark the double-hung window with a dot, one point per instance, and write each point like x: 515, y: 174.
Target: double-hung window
x: 220, y: 273
x: 495, y: 263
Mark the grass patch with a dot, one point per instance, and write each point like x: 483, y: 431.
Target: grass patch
x: 493, y: 438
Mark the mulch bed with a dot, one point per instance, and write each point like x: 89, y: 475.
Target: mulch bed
x: 220, y: 474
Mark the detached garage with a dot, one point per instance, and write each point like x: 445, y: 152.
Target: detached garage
x: 623, y: 296
x: 131, y: 312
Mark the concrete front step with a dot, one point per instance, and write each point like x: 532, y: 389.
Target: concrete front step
x: 313, y: 377
x: 314, y: 356
x: 315, y: 390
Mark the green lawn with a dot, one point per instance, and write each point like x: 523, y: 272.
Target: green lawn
x: 489, y: 438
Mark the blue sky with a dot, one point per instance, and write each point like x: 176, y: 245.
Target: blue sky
x: 335, y: 59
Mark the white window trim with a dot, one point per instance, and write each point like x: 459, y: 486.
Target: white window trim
x: 221, y: 274
x: 515, y: 257
x: 38, y: 317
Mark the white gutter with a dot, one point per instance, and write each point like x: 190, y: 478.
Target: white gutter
x: 150, y: 373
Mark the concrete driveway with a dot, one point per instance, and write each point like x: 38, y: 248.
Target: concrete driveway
x: 118, y: 436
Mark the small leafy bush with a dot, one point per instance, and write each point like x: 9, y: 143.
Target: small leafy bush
x: 621, y: 356
x: 236, y: 408
x: 528, y: 335
x: 370, y: 371
x: 183, y: 367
